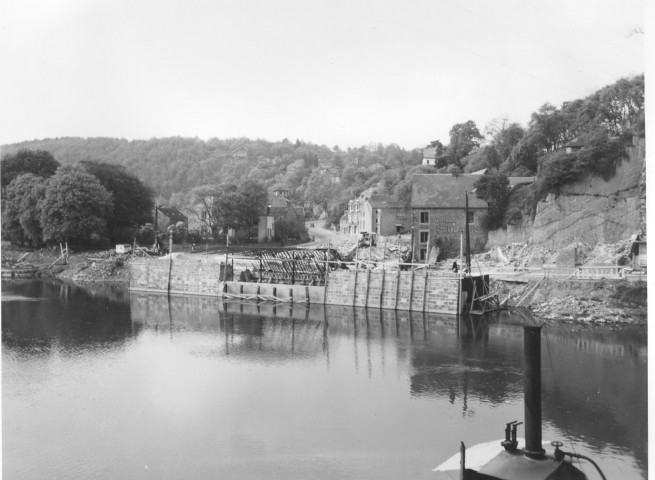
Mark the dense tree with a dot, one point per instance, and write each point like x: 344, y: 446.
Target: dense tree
x: 38, y: 162
x: 599, y: 156
x: 234, y: 207
x: 28, y: 190
x: 463, y: 138
x: 622, y: 103
x: 133, y: 201
x: 253, y: 199
x: 319, y: 190
x: 505, y: 135
x: 75, y: 207
x: 494, y: 188
x: 285, y: 229
x: 13, y: 206
x: 524, y: 156
x: 548, y: 126
x: 224, y: 207
x: 203, y: 205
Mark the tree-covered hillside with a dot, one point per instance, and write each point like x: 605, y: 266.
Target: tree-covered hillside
x: 326, y: 178
x: 173, y: 167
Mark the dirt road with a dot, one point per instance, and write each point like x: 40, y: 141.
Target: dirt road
x: 321, y: 235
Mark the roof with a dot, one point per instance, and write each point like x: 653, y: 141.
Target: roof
x: 479, y: 172
x: 384, y: 201
x: 173, y: 213
x: 514, y: 181
x: 575, y: 143
x: 430, y: 152
x: 444, y: 191
x: 238, y: 150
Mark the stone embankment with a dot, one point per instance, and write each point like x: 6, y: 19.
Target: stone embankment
x: 593, y: 301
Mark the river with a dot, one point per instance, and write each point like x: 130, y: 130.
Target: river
x: 100, y: 383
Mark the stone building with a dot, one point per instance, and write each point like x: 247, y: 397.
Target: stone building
x: 438, y: 211
x: 374, y: 213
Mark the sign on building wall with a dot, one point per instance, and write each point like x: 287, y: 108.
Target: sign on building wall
x: 446, y: 228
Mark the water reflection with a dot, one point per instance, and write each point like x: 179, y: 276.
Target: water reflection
x: 362, y: 393
x: 594, y: 384
x: 40, y: 314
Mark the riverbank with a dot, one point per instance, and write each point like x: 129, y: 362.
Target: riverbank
x: 585, y: 301
x: 567, y: 300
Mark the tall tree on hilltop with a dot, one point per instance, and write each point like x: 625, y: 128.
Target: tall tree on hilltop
x: 622, y: 103
x: 549, y: 126
x: 505, y: 135
x: 464, y: 137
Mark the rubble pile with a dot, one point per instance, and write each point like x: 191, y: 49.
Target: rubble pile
x: 98, y: 267
x: 607, y: 254
x: 591, y: 302
x: 522, y: 255
x: 388, y: 253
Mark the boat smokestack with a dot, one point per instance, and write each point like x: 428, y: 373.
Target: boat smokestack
x: 532, y: 390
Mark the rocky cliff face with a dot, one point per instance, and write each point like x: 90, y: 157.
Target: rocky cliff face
x: 593, y: 210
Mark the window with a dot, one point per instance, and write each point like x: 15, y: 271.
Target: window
x: 425, y: 217
x: 470, y: 218
x: 423, y: 236
x: 422, y: 254
x: 400, y: 215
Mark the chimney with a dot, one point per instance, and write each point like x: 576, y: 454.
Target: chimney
x: 532, y: 390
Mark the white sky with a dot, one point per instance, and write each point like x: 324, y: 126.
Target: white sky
x: 345, y: 72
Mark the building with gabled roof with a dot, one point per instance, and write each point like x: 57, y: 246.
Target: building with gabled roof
x: 438, y: 209
x: 430, y: 156
x: 166, y: 216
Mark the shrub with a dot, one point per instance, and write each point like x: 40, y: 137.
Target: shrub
x: 600, y: 156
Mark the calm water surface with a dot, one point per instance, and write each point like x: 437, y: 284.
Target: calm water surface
x: 104, y: 384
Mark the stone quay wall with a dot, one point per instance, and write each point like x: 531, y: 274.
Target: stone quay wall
x: 422, y: 291
x: 188, y: 277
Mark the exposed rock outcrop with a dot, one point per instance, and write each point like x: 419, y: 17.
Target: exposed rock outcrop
x: 593, y: 210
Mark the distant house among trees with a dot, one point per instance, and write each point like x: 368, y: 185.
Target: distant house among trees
x: 239, y: 153
x: 166, y: 216
x: 195, y: 217
x: 430, y: 156
x: 282, y: 218
x: 574, y: 145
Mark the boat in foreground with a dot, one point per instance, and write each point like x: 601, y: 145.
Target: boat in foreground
x: 503, y: 459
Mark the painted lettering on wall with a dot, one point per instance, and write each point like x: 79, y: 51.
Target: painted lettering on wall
x: 451, y: 223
